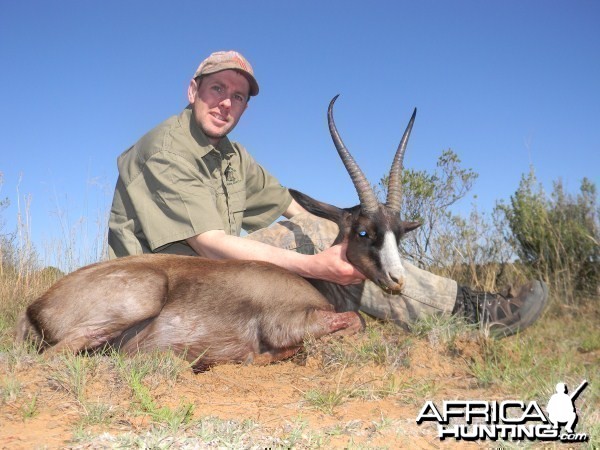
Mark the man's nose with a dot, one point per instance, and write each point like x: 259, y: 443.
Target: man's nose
x: 226, y: 103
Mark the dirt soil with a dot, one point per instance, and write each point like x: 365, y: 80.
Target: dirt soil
x: 377, y: 405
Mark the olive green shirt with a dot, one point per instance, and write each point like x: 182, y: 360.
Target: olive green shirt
x: 173, y: 184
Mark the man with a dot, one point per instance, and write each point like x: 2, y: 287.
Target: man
x: 184, y: 188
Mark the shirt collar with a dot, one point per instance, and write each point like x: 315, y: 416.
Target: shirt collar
x: 224, y: 146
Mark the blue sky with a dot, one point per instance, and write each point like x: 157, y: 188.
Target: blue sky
x: 504, y: 84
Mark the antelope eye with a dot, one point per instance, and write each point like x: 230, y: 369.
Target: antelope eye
x: 362, y: 233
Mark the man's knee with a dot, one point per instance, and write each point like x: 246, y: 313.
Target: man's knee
x: 303, y: 233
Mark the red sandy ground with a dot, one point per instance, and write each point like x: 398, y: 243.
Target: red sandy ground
x: 273, y: 397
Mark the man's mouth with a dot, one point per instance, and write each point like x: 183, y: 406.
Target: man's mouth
x: 219, y: 117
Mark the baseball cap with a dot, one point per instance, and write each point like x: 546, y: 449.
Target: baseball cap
x: 225, y: 60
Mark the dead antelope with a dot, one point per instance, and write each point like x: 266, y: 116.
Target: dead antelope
x: 210, y: 311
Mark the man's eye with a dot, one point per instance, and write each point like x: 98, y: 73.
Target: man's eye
x: 239, y: 98
x: 217, y: 88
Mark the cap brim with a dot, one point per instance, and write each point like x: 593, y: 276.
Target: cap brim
x: 251, y: 80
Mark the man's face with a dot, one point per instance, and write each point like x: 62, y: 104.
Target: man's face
x: 218, y: 102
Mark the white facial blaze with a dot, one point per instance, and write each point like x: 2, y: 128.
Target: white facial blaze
x: 390, y: 257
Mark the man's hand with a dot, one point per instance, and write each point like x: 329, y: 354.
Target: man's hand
x: 332, y: 265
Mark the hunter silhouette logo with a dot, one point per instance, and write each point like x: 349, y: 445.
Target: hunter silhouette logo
x: 515, y: 420
x: 561, y: 407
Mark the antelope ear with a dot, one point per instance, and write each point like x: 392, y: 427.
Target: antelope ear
x: 320, y: 209
x: 409, y: 226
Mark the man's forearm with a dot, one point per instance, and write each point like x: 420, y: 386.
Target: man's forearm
x: 218, y: 245
x: 330, y: 265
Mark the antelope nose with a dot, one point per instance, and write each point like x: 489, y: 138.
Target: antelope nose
x: 395, y: 278
x: 397, y: 281
x: 396, y: 275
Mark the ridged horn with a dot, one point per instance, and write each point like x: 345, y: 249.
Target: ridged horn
x: 394, y: 197
x: 367, y: 198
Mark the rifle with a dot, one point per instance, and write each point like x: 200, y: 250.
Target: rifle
x: 579, y: 389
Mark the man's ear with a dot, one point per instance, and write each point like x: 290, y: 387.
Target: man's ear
x: 192, y: 91
x: 320, y: 209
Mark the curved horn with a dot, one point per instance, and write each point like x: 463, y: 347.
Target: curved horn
x: 367, y: 198
x: 394, y: 197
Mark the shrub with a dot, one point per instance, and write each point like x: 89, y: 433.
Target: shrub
x: 557, y: 238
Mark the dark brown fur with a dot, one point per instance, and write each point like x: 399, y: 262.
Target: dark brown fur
x: 207, y: 311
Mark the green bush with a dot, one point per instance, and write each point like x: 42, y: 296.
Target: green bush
x: 557, y: 237
x: 427, y: 198
x: 554, y: 238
